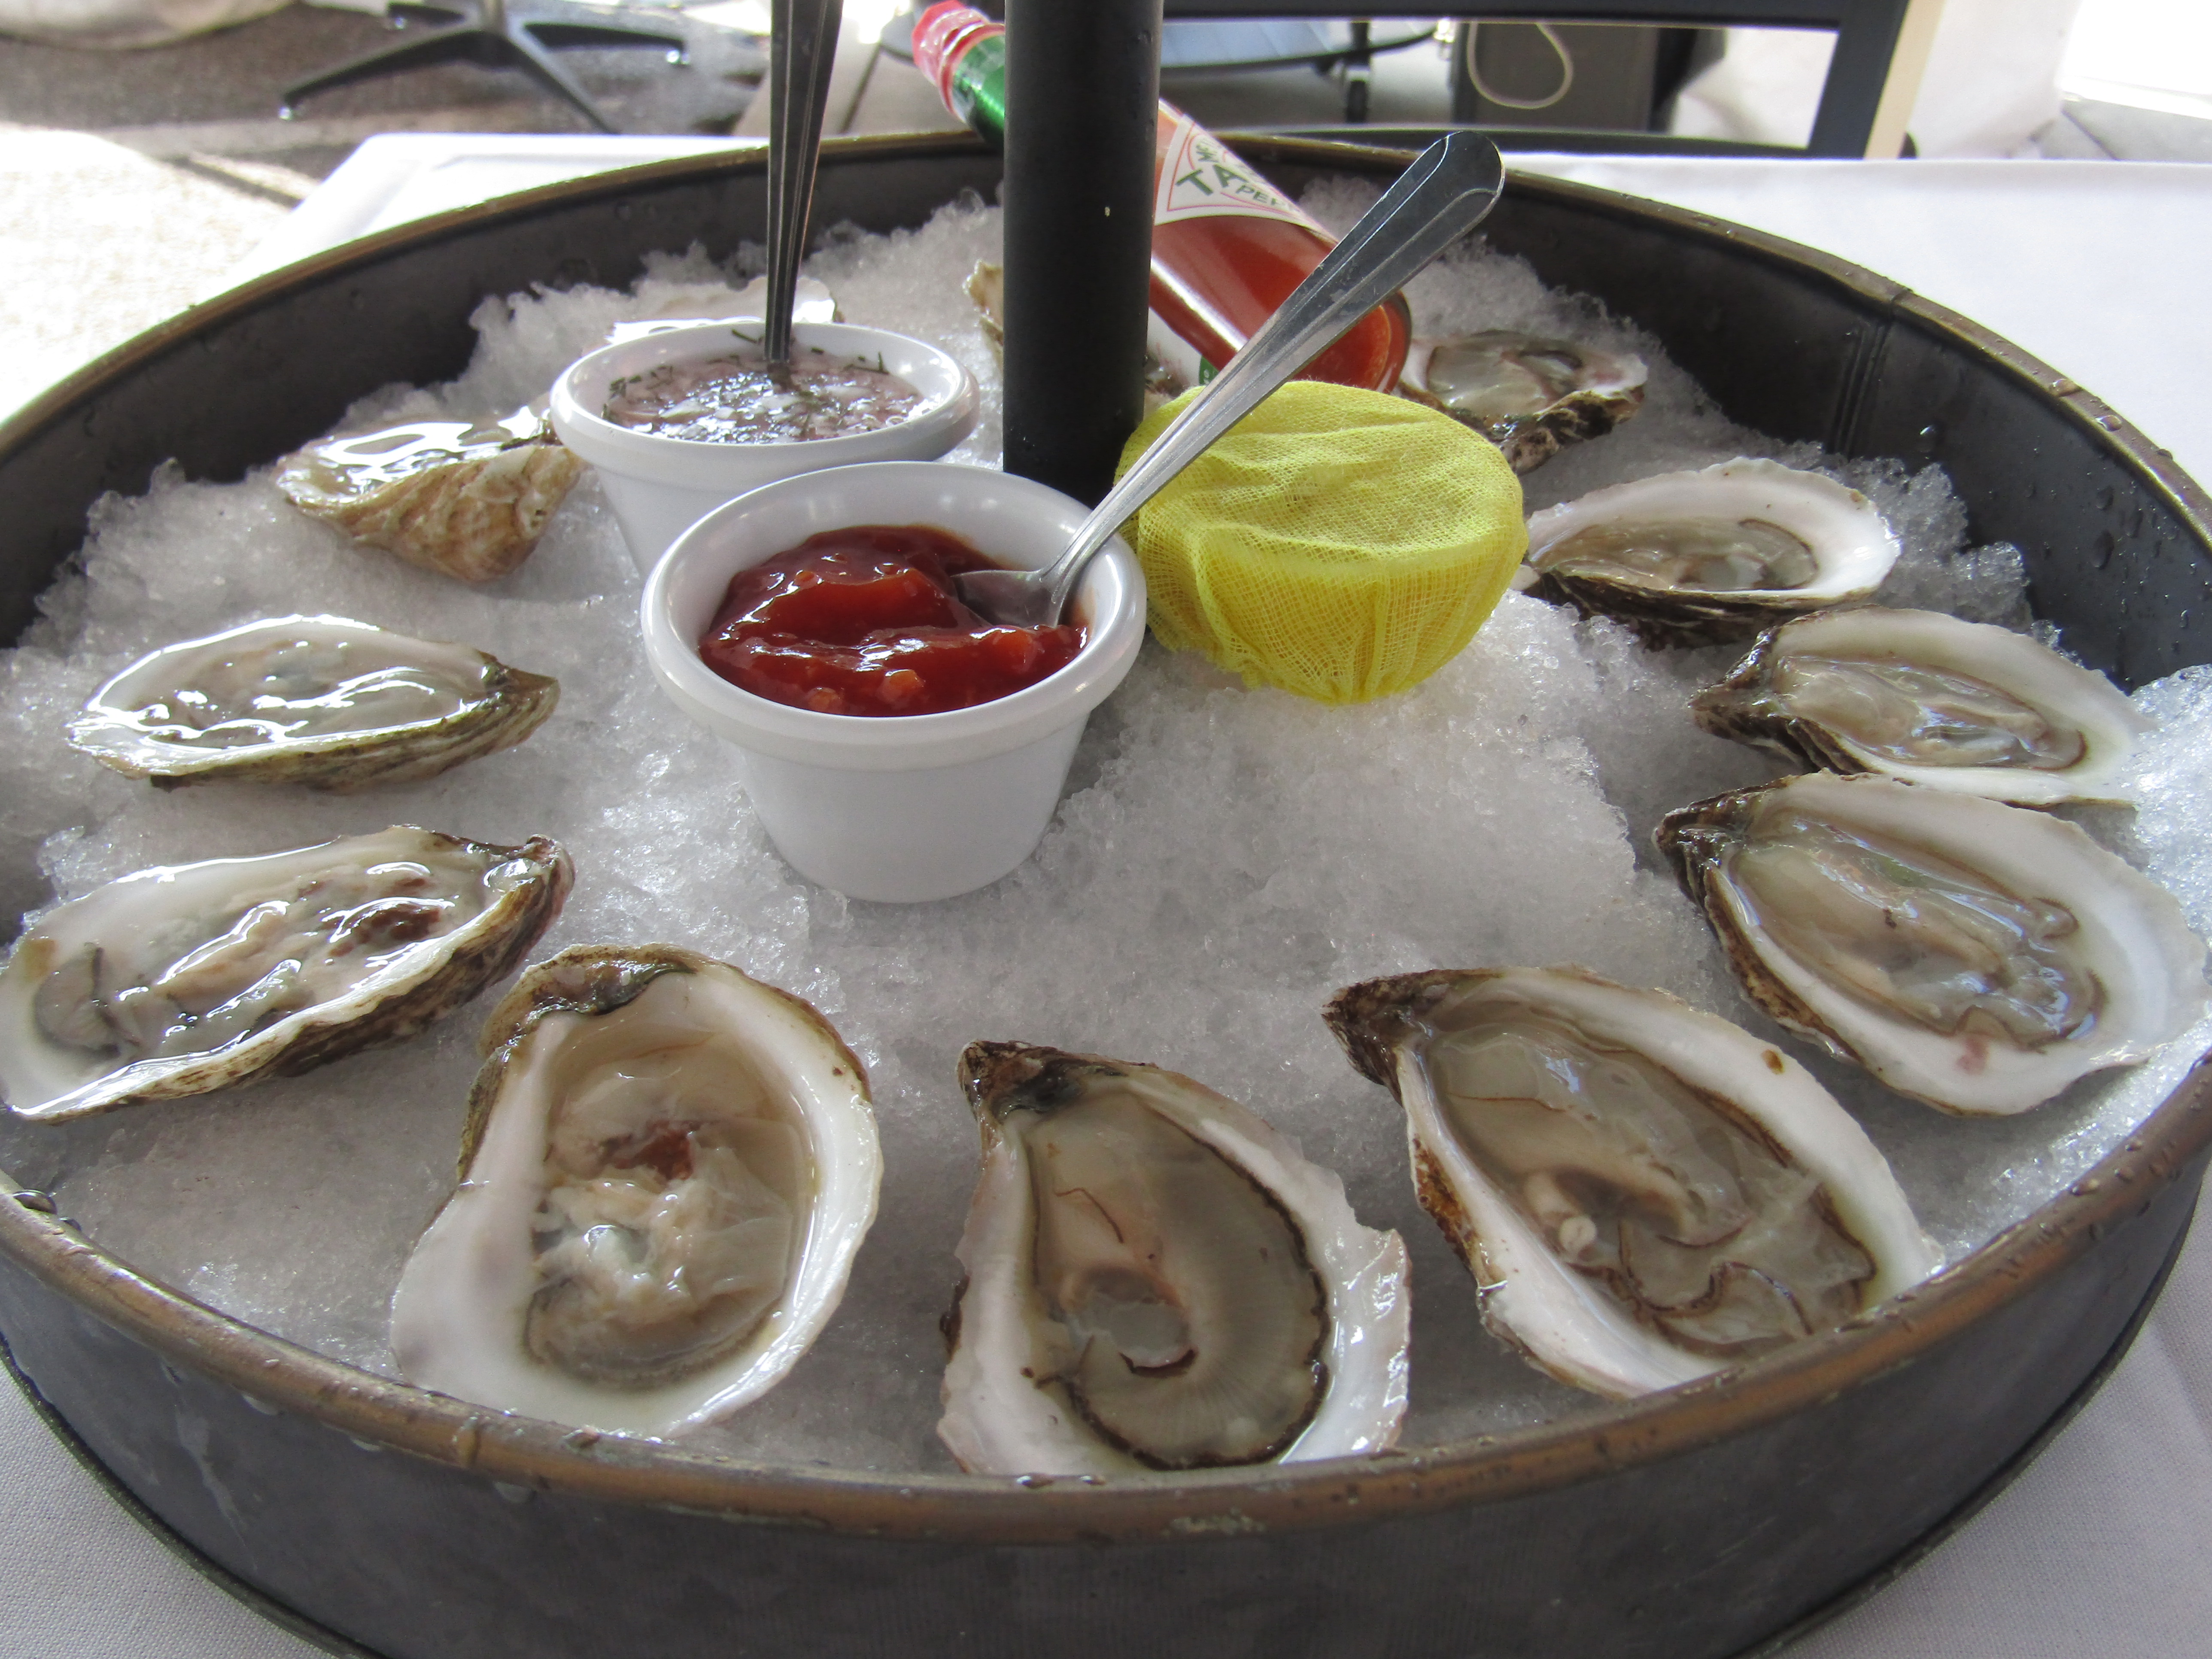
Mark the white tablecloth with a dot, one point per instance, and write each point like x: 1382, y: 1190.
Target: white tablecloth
x: 2102, y: 1547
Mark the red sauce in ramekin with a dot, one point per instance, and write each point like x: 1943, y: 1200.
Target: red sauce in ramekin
x: 866, y: 621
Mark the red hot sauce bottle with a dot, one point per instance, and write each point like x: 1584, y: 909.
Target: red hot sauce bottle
x: 1227, y: 249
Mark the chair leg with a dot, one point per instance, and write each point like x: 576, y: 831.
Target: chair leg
x: 433, y: 47
x: 490, y: 34
x: 538, y: 64
x: 591, y: 34
x: 1359, y: 74
x: 401, y: 13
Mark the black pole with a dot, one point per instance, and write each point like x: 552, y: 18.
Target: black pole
x: 1083, y: 79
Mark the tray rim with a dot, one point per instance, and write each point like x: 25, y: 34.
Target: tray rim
x: 1029, y: 1510
x: 316, y: 1634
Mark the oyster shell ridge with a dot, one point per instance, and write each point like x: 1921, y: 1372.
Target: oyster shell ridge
x: 993, y: 1424
x: 1612, y: 391
x: 591, y: 980
x: 484, y: 949
x: 1741, y: 709
x: 475, y: 518
x: 475, y: 1357
x: 2160, y: 957
x: 1854, y: 546
x: 512, y: 703
x: 1555, y: 1317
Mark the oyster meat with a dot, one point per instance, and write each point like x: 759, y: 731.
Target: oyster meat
x: 666, y: 1170
x: 320, y: 701
x: 1155, y: 1280
x: 1644, y: 1194
x: 1928, y: 698
x: 466, y: 500
x: 1976, y: 956
x: 1705, y: 557
x: 1530, y: 396
x: 178, y: 980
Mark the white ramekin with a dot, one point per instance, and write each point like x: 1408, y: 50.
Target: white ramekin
x: 658, y: 486
x: 900, y: 808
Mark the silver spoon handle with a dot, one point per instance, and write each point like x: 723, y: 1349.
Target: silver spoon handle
x: 1438, y: 199
x: 802, y: 46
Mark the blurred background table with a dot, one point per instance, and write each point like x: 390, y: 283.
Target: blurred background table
x: 132, y: 183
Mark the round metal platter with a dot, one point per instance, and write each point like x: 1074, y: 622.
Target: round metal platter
x: 1691, y: 1525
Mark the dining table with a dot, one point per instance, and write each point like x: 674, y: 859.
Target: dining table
x: 2101, y: 1545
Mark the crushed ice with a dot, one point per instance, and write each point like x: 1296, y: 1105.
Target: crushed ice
x: 1224, y: 860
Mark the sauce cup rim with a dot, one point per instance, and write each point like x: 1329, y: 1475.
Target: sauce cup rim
x: 948, y: 393
x: 1111, y: 600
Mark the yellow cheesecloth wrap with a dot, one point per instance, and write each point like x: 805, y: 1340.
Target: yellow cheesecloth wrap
x: 1340, y: 544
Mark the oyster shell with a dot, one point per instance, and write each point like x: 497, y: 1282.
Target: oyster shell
x: 1977, y: 957
x: 1529, y: 395
x: 1928, y: 698
x: 466, y: 500
x: 320, y: 701
x: 1701, y: 558
x: 1644, y: 1194
x: 986, y: 286
x: 178, y: 980
x: 667, y: 1169
x: 1156, y: 1279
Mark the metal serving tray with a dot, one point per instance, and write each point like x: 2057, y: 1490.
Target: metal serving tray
x: 1699, y: 1523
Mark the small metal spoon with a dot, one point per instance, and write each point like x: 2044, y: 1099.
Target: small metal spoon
x: 802, y: 46
x: 1438, y: 199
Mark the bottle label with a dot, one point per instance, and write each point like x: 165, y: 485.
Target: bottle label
x: 1174, y: 354
x: 1200, y: 177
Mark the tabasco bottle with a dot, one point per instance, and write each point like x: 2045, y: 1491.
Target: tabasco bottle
x: 1226, y: 248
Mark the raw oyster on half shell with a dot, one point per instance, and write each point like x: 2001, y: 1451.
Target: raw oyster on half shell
x: 1705, y: 557
x: 666, y: 1170
x: 1155, y: 1280
x: 1644, y: 1194
x: 321, y: 701
x: 1529, y: 395
x: 466, y: 500
x: 1931, y: 699
x: 1976, y: 956
x: 177, y: 981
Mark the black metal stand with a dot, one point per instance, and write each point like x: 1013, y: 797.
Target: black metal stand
x: 1082, y: 124
x: 1358, y: 73
x: 498, y: 34
x: 1866, y: 34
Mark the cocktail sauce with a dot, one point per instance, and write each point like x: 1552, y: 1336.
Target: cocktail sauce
x: 866, y: 621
